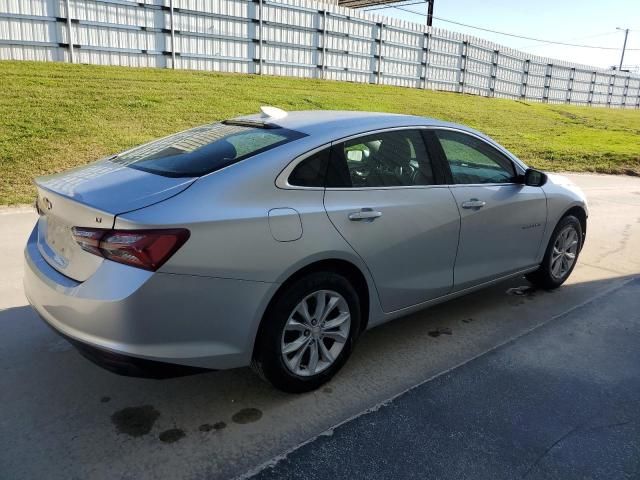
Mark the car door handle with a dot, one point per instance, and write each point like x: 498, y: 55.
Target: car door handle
x: 366, y: 214
x: 473, y: 203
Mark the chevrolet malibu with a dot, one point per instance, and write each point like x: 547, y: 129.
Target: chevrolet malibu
x: 274, y: 240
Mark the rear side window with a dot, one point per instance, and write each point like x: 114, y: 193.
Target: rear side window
x: 204, y: 149
x: 311, y: 171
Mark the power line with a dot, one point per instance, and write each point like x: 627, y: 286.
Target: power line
x: 498, y: 32
x: 604, y: 34
x: 523, y: 36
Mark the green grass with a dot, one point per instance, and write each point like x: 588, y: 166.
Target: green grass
x: 55, y: 116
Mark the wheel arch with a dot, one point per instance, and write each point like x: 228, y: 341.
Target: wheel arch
x: 344, y: 267
x: 581, y: 214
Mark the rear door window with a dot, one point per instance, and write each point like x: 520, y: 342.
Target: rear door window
x: 396, y: 158
x: 204, y: 149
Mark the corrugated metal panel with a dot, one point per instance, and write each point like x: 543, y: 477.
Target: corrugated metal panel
x: 123, y: 59
x: 218, y: 65
x: 207, y: 25
x: 535, y: 92
x: 114, y: 13
x: 290, y: 36
x: 33, y: 53
x: 40, y: 8
x: 19, y: 30
x: 211, y: 47
x: 232, y: 8
x: 301, y: 38
x: 351, y: 62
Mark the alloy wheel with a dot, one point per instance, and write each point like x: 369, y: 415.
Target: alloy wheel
x: 315, y: 333
x: 565, y: 249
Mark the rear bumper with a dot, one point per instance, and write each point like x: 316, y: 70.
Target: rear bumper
x: 122, y: 317
x: 131, y: 366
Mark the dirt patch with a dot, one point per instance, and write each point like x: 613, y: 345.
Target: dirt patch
x: 523, y: 291
x: 207, y: 427
x: 172, y: 435
x: 135, y: 421
x: 247, y: 415
x: 440, y: 331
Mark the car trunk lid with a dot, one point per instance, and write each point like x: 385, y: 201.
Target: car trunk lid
x: 92, y: 196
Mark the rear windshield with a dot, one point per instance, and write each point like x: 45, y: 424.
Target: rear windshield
x: 204, y: 149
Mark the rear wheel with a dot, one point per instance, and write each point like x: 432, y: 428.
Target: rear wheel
x: 308, y: 333
x: 561, y: 255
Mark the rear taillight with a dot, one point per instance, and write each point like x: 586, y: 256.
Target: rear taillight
x: 148, y: 249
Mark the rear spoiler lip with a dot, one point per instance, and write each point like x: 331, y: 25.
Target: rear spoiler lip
x: 101, y: 211
x: 250, y: 123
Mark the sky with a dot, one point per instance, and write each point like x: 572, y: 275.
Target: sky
x: 588, y: 22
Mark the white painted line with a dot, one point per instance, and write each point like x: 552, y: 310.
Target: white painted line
x: 329, y: 432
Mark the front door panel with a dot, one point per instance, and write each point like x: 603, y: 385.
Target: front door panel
x: 407, y: 237
x: 502, y: 235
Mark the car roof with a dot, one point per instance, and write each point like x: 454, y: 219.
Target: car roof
x: 329, y: 125
x: 343, y: 122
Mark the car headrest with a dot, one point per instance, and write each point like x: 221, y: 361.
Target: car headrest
x: 224, y: 149
x: 395, y: 150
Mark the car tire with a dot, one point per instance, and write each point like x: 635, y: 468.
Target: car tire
x: 561, y: 249
x: 288, y: 323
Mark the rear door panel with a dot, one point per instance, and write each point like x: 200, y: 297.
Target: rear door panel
x: 410, y: 248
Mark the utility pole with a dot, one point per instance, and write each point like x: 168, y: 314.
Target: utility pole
x: 430, y: 13
x: 624, y: 46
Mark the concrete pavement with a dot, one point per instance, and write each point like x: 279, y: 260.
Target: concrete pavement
x: 62, y: 417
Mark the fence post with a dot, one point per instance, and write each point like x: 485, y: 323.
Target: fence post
x: 592, y: 88
x: 572, y: 74
x: 173, y: 35
x: 463, y: 64
x: 260, y: 56
x: 380, y: 34
x: 624, y: 92
x: 494, y: 71
x: 72, y: 58
x: 524, y: 79
x: 425, y: 58
x: 547, y: 83
x: 612, y: 79
x: 324, y: 44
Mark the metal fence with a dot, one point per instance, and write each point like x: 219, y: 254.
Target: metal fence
x: 298, y: 38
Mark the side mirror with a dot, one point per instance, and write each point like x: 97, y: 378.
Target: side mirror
x: 534, y: 178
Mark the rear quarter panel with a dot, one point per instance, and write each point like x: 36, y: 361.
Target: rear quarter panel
x: 227, y: 215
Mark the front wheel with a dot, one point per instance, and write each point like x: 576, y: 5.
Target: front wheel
x: 561, y: 255
x: 308, y: 333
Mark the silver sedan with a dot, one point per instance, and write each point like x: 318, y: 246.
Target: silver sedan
x: 275, y: 239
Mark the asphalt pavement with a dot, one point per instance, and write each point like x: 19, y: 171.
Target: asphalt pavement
x: 561, y: 402
x: 62, y: 417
